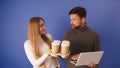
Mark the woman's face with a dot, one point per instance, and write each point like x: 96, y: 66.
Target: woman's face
x: 42, y: 27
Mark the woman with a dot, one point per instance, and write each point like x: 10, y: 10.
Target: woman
x: 37, y: 47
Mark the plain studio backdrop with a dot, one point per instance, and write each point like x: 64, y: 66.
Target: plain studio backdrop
x: 102, y: 16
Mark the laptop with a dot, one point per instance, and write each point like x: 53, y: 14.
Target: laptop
x: 86, y: 58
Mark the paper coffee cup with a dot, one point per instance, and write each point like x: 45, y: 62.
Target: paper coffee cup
x: 65, y: 48
x: 55, y: 46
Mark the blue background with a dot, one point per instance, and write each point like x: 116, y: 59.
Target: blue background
x: 102, y: 16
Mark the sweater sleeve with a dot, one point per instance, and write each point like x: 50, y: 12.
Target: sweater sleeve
x: 50, y: 37
x: 29, y: 53
x: 97, y: 44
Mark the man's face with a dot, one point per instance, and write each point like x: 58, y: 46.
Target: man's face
x: 75, y: 21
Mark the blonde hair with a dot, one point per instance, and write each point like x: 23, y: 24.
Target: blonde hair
x: 34, y: 33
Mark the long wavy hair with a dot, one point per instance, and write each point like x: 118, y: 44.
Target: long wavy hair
x: 34, y: 35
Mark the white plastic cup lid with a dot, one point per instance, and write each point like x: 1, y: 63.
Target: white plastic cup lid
x: 65, y: 43
x: 56, y: 42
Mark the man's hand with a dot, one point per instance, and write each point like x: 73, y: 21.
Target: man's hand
x: 75, y: 57
x: 92, y: 65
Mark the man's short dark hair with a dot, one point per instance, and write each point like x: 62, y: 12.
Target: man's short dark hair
x: 80, y: 11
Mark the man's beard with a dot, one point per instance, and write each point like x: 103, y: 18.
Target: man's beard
x: 75, y: 27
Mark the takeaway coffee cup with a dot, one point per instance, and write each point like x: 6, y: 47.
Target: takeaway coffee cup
x: 65, y: 48
x: 56, y: 46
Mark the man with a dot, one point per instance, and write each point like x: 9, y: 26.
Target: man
x: 81, y: 37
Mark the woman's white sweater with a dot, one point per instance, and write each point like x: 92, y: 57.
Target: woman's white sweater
x: 49, y: 62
